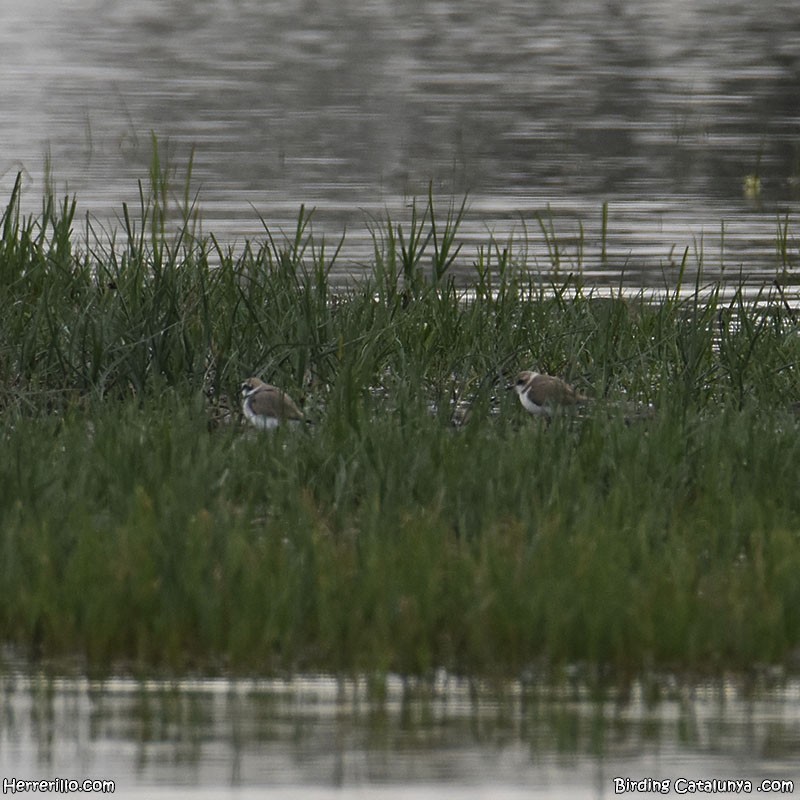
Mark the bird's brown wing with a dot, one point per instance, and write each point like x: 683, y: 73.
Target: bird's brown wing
x: 547, y: 390
x: 269, y: 401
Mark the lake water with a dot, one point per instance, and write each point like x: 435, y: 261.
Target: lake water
x: 316, y: 737
x: 662, y: 108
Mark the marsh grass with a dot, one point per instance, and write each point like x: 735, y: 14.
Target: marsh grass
x: 136, y: 533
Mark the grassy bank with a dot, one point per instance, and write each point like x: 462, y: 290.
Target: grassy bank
x: 141, y: 524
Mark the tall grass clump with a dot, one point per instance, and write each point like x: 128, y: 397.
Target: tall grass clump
x: 143, y: 526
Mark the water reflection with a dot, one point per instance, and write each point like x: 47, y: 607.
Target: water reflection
x: 663, y: 109
x: 319, y: 734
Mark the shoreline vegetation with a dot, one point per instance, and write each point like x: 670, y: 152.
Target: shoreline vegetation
x: 144, y: 527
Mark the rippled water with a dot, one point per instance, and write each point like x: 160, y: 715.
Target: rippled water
x: 662, y: 109
x: 321, y: 738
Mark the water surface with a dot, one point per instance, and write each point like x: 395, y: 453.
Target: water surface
x: 662, y: 109
x: 319, y: 737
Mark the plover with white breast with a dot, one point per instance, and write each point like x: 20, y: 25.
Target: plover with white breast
x: 266, y: 406
x: 541, y: 394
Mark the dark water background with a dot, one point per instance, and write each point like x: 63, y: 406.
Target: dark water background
x: 552, y: 107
